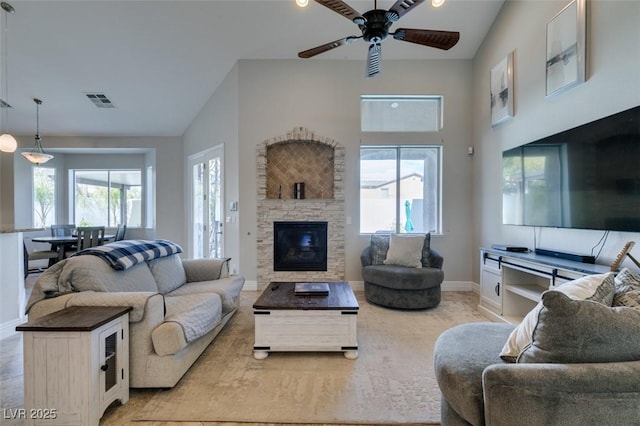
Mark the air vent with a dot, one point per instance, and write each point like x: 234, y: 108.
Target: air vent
x: 100, y: 100
x: 3, y: 104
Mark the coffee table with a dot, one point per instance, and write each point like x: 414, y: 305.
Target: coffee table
x: 286, y: 322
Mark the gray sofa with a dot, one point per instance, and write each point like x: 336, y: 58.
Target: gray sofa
x: 399, y: 286
x: 582, y: 367
x: 179, y: 307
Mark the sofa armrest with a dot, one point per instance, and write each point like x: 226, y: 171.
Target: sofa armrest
x: 48, y: 306
x: 568, y: 394
x: 208, y: 269
x: 365, y: 256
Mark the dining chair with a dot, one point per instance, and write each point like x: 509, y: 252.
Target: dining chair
x: 120, y: 231
x: 62, y: 230
x: 31, y: 253
x: 90, y: 236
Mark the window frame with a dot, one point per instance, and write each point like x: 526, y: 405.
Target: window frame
x: 123, y: 209
x: 34, y: 170
x: 398, y: 177
x: 396, y: 101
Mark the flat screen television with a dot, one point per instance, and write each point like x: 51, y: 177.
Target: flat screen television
x: 587, y: 177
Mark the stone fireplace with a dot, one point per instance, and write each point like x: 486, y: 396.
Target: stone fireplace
x: 318, y: 162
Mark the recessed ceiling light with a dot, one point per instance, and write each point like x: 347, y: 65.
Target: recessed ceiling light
x: 302, y: 3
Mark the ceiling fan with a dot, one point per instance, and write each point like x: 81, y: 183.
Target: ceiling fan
x: 375, y: 25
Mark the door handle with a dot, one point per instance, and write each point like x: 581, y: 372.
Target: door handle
x: 497, y: 289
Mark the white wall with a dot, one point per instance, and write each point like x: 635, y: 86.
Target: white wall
x: 613, y: 85
x: 217, y: 123
x: 324, y: 97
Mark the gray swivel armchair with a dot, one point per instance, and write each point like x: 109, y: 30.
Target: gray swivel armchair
x: 397, y: 286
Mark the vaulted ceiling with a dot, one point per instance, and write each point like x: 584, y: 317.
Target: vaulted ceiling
x: 160, y: 61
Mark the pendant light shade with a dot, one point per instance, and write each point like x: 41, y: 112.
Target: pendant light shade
x: 37, y: 155
x: 7, y: 142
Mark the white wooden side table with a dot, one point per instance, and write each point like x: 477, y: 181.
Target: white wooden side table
x: 76, y: 363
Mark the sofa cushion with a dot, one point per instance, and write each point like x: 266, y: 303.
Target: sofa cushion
x: 426, y: 252
x: 627, y: 289
x: 227, y: 288
x: 168, y: 273
x: 86, y: 273
x: 405, y: 250
x: 137, y: 300
x: 598, y: 288
x: 206, y: 269
x: 460, y: 356
x: 187, y: 318
x: 583, y: 331
x: 379, y: 248
x: 402, y: 277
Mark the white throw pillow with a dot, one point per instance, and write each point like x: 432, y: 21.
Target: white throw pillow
x: 405, y: 250
x: 599, y: 288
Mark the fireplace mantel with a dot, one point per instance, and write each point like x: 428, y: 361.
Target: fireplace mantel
x: 272, y: 209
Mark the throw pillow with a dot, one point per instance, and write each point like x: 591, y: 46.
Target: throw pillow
x: 405, y: 250
x: 582, y: 331
x: 627, y: 289
x: 379, y: 248
x: 598, y: 288
x: 168, y: 273
x: 426, y: 252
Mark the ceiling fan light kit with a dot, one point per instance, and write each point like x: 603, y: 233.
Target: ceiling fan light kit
x: 374, y: 26
x: 37, y: 156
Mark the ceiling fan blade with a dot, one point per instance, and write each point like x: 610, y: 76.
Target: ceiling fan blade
x: 323, y: 48
x: 400, y: 8
x: 343, y: 9
x: 374, y: 60
x: 444, y: 40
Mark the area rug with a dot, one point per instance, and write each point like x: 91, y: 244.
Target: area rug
x: 392, y: 380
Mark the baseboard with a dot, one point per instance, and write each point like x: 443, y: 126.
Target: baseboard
x: 457, y: 286
x: 250, y: 286
x: 359, y: 286
x: 8, y: 328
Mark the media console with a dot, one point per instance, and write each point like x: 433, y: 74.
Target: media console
x: 511, y: 283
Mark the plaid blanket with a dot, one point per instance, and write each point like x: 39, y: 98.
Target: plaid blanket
x: 121, y: 255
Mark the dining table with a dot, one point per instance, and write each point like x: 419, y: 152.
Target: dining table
x: 60, y: 244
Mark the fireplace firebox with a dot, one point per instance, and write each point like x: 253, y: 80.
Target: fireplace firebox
x: 300, y: 246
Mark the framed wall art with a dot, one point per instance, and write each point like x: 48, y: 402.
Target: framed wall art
x: 502, y: 90
x: 566, y: 47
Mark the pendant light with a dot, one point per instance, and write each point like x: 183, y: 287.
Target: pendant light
x: 37, y: 156
x: 7, y: 142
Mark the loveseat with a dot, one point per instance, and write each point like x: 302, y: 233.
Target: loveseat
x: 402, y: 271
x: 574, y: 360
x: 179, y: 306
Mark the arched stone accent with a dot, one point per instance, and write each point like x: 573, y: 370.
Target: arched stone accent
x: 281, y: 161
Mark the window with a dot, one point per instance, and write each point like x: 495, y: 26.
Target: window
x: 406, y: 113
x: 44, y: 196
x: 400, y: 189
x: 107, y: 197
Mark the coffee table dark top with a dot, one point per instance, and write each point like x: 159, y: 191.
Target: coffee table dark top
x: 280, y: 295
